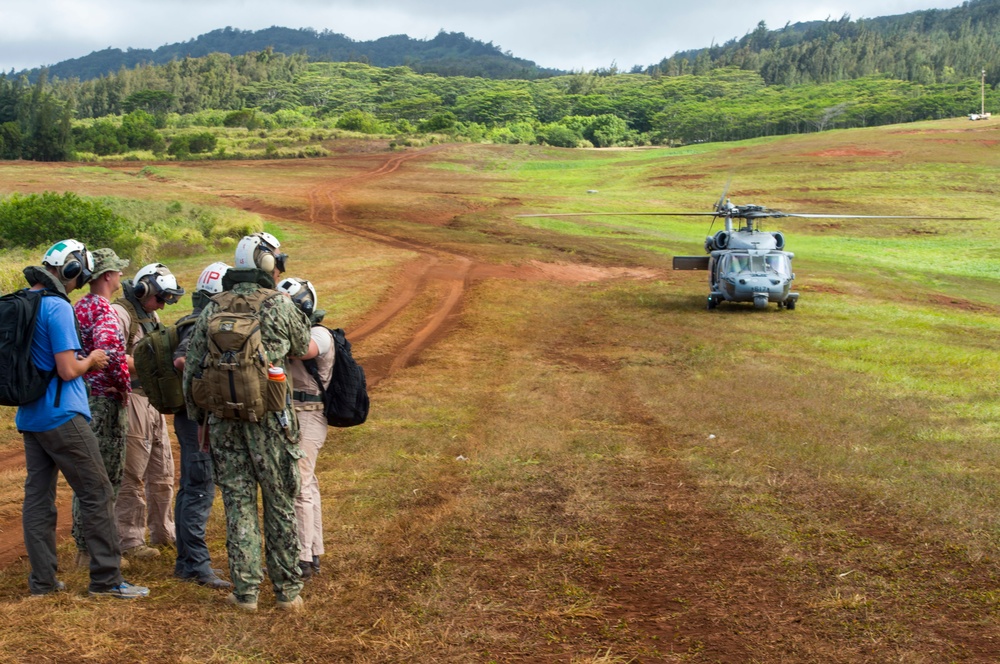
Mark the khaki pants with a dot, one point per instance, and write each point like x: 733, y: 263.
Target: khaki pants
x: 148, y: 485
x: 308, y: 509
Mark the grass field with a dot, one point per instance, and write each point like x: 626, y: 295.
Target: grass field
x: 570, y: 459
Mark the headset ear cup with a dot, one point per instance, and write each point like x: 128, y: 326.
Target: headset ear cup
x: 71, y: 270
x: 139, y: 290
x: 266, y: 262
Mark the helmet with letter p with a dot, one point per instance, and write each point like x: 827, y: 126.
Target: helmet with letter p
x: 210, y: 280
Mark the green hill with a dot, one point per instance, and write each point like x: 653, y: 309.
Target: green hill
x: 447, y: 54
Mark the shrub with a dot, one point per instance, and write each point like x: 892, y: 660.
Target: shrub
x: 138, y: 131
x: 559, y: 136
x: 245, y: 117
x: 40, y: 219
x: 438, y: 122
x: 357, y: 120
x: 101, y: 138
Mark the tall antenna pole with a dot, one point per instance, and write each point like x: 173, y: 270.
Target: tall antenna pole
x: 982, y: 108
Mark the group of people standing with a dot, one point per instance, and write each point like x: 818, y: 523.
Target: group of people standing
x: 97, y: 427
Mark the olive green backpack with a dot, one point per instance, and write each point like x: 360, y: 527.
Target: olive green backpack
x: 154, y: 364
x: 231, y: 381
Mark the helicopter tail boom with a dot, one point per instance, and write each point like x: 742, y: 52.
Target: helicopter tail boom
x: 691, y: 262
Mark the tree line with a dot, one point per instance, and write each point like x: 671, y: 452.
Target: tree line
x: 932, y: 46
x: 174, y: 109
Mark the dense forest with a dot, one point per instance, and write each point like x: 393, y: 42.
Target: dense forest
x: 191, y: 107
x: 447, y: 54
x: 810, y: 77
x: 932, y: 46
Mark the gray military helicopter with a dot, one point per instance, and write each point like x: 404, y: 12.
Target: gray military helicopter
x: 745, y: 263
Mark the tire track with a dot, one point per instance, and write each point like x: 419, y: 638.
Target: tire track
x: 434, y: 266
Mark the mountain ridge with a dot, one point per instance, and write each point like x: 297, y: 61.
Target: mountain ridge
x: 446, y: 54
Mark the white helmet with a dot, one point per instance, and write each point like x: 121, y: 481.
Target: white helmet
x: 260, y: 250
x: 210, y: 280
x: 157, y: 279
x: 302, y: 293
x: 72, y: 260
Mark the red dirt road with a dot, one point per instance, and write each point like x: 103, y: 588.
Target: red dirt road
x: 435, y: 271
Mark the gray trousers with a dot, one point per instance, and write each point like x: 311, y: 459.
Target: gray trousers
x: 71, y: 448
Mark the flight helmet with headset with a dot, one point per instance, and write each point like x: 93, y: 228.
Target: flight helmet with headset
x: 156, y: 279
x: 302, y: 293
x: 260, y: 251
x: 71, y: 260
x: 210, y: 280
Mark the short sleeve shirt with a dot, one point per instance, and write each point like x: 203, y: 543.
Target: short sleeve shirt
x: 55, y: 332
x: 301, y: 378
x: 99, y: 327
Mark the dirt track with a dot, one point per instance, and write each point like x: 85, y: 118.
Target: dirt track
x: 450, y: 273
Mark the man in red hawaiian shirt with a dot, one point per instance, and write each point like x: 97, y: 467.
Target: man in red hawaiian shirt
x: 109, y: 387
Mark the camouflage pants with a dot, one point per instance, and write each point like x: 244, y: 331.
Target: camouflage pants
x: 109, y: 422
x: 246, y: 455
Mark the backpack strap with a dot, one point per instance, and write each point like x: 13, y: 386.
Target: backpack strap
x: 79, y: 335
x: 135, y: 320
x: 313, y: 368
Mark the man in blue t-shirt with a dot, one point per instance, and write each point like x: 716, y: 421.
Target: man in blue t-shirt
x: 57, y: 436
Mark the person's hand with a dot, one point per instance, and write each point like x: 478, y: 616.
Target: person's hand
x: 98, y: 359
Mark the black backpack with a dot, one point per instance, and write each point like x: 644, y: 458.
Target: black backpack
x: 21, y: 382
x: 345, y: 399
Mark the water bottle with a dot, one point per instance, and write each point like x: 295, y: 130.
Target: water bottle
x: 276, y: 374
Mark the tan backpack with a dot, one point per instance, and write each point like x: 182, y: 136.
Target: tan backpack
x: 231, y: 381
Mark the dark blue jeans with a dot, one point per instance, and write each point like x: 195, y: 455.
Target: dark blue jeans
x: 193, y: 504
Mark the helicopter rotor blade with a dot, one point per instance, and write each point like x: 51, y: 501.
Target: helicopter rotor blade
x: 622, y: 214
x: 776, y: 214
x: 725, y: 190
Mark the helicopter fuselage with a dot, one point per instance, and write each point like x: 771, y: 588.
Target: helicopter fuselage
x: 749, y: 265
x: 746, y: 265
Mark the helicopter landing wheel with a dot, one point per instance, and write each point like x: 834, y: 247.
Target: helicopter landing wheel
x: 712, y: 304
x: 790, y: 305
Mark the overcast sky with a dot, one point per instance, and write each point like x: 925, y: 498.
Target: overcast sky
x: 562, y: 34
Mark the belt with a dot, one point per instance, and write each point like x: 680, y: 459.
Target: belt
x: 305, y: 396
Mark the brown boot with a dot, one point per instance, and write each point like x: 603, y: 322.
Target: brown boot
x: 141, y: 552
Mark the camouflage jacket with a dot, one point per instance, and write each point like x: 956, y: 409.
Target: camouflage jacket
x: 284, y: 331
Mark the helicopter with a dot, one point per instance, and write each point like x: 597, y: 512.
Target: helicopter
x: 745, y: 263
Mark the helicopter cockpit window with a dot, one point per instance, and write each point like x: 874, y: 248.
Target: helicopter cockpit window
x: 778, y: 263
x: 739, y: 263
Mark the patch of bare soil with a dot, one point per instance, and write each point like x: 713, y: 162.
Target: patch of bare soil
x: 821, y: 288
x: 852, y: 152
x: 961, y: 303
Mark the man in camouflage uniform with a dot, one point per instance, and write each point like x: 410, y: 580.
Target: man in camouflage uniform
x: 247, y: 454
x: 110, y: 387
